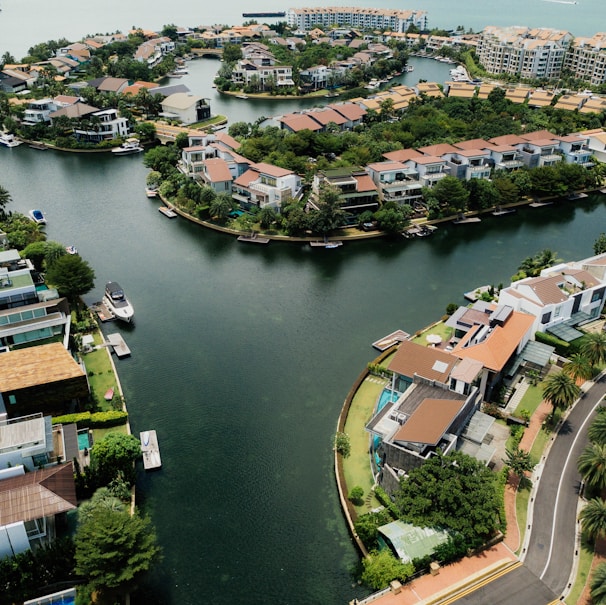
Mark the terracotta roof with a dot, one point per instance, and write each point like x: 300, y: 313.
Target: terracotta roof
x: 474, y: 144
x: 495, y: 350
x: 224, y: 138
x: 387, y: 166
x: 45, y: 364
x: 272, y: 170
x: 365, y: 183
x: 299, y: 122
x: 414, y: 359
x: 537, y: 135
x: 507, y: 139
x: 428, y: 159
x: 403, y: 155
x: 438, y: 150
x: 37, y: 494
x: 217, y: 170
x: 245, y: 179
x: 327, y: 115
x: 430, y: 421
x: 112, y: 84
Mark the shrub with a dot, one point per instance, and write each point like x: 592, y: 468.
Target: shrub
x: 561, y: 346
x: 356, y: 495
x: 342, y: 444
x: 86, y: 420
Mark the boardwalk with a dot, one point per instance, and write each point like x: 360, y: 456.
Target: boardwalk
x: 119, y: 346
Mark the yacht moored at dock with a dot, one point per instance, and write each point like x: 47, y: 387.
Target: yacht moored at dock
x: 117, y: 303
x: 128, y: 147
x: 8, y: 139
x: 150, y: 450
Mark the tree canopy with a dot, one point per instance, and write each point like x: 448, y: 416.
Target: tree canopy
x: 455, y: 492
x: 71, y: 275
x: 115, y: 454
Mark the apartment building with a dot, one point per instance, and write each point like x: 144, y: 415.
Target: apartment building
x: 587, y: 59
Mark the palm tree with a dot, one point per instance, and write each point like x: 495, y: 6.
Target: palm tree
x: 560, y: 390
x: 519, y: 461
x: 221, y: 206
x: 578, y: 367
x: 594, y: 347
x: 5, y: 199
x: 598, y: 585
x: 592, y: 465
x: 597, y: 429
x: 593, y: 518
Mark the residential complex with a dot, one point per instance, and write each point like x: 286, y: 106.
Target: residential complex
x: 362, y: 18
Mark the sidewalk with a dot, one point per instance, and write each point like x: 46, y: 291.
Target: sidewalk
x: 451, y: 579
x: 512, y: 538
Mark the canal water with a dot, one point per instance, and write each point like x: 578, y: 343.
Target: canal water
x: 242, y: 356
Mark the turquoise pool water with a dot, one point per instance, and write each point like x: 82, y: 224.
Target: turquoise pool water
x: 83, y: 443
x: 387, y: 396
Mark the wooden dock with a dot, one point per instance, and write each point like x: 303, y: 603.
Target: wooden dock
x: 253, y: 238
x: 503, y: 211
x: 326, y: 244
x: 391, y: 339
x: 539, y: 204
x: 103, y: 312
x: 168, y: 212
x: 150, y: 450
x: 466, y: 220
x: 118, y: 345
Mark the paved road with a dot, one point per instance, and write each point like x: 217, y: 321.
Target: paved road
x: 548, y: 558
x: 552, y: 540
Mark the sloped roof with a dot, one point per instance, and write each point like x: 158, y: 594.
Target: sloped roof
x: 227, y: 140
x: 351, y: 111
x: 365, y: 183
x: 403, y: 155
x: 495, y: 350
x: 272, y: 170
x: 77, y: 110
x: 217, y: 170
x: 38, y: 494
x: 181, y: 100
x: 430, y: 421
x: 414, y: 359
x: 299, y: 122
x: 245, y: 179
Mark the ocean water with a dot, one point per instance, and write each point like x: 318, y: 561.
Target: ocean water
x: 25, y: 23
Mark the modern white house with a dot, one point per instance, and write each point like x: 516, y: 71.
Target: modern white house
x: 103, y: 125
x: 266, y: 185
x: 186, y: 108
x: 562, y: 297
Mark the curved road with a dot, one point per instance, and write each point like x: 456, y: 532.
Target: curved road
x: 549, y: 554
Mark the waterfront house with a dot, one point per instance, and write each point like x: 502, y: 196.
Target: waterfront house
x: 357, y: 191
x: 538, y: 151
x: 49, y: 318
x: 352, y: 112
x: 38, y: 111
x: 33, y: 441
x: 597, y: 141
x: 505, y: 157
x: 187, y: 108
x: 438, y: 394
x: 496, y: 336
x: 17, y: 285
x: 297, y: 122
x: 561, y: 297
x: 397, y: 182
x: 431, y: 169
x: 31, y: 503
x: 103, y: 125
x: 108, y: 84
x: 44, y: 378
x: 467, y: 164
x: 216, y: 175
x: 575, y: 149
x: 265, y: 185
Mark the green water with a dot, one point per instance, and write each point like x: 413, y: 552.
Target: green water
x: 242, y: 357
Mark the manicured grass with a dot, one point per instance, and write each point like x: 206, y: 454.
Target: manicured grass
x: 539, y: 445
x: 583, y: 571
x: 100, y: 376
x: 441, y: 329
x: 98, y: 434
x: 356, y: 466
x: 522, y: 499
x: 531, y: 400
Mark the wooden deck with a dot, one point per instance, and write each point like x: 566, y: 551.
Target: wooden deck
x: 103, y: 312
x: 326, y: 244
x: 253, y: 238
x: 168, y: 212
x: 391, y: 339
x: 118, y: 345
x: 465, y: 220
x: 150, y: 450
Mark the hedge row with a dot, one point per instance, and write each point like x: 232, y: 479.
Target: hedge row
x: 86, y: 420
x: 561, y: 346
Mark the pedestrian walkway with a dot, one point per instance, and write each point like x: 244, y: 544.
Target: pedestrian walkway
x: 517, y: 396
x: 450, y: 580
x: 512, y: 538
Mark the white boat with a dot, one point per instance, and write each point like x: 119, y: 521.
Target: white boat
x: 8, y: 139
x: 37, y: 216
x: 71, y: 249
x: 117, y: 303
x: 242, y: 97
x: 129, y: 146
x: 150, y: 192
x: 410, y: 68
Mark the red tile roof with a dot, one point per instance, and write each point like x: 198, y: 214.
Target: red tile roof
x: 217, y: 170
x: 430, y: 421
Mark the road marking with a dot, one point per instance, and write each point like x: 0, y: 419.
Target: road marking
x: 555, y: 508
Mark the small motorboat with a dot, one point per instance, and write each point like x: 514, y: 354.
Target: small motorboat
x: 71, y: 249
x: 109, y: 394
x: 37, y: 216
x: 129, y: 147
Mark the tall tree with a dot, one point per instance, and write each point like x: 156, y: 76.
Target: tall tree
x: 561, y: 391
x: 72, y: 276
x: 592, y: 465
x: 578, y: 367
x: 599, y: 246
x: 598, y: 585
x: 5, y: 199
x: 593, y: 347
x: 519, y: 461
x: 114, y: 550
x: 593, y: 519
x: 597, y: 429
x: 115, y: 454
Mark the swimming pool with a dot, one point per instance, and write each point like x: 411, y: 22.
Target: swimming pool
x: 83, y: 440
x: 65, y: 597
x: 387, y: 396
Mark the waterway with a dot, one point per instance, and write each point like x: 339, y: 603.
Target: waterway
x: 22, y: 24
x: 242, y: 356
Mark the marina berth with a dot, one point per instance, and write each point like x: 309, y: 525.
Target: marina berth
x: 129, y: 147
x: 117, y: 303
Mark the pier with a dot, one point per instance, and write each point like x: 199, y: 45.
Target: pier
x: 253, y: 238
x: 150, y: 450
x: 391, y: 339
x: 118, y: 345
x: 168, y: 212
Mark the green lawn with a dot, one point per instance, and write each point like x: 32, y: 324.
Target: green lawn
x: 100, y: 375
x: 440, y: 328
x: 356, y: 466
x: 531, y: 400
x: 522, y: 498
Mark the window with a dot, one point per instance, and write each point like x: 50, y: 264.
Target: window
x: 12, y: 399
